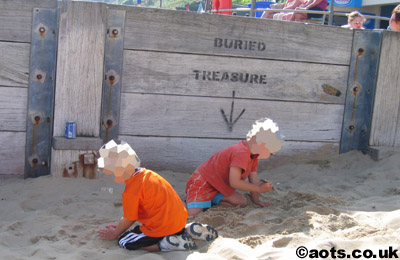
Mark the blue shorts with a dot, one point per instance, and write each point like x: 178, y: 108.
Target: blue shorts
x: 206, y: 204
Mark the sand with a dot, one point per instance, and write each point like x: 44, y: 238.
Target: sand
x: 344, y: 202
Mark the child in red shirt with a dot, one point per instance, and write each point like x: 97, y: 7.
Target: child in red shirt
x: 215, y: 181
x: 149, y: 199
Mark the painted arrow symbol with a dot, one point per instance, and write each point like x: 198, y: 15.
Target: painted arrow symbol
x: 231, y: 122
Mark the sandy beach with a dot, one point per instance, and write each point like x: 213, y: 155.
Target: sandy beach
x: 343, y: 202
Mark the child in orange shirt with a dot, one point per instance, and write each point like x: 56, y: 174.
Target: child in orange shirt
x: 215, y: 181
x: 149, y: 199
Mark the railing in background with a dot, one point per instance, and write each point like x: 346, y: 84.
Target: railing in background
x: 331, y: 13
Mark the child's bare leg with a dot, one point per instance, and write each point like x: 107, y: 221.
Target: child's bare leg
x: 236, y: 199
x: 152, y: 248
x: 194, y: 211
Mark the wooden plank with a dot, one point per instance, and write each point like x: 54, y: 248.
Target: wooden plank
x: 167, y: 115
x: 378, y: 153
x: 361, y: 91
x: 385, y: 129
x: 13, y: 108
x: 167, y: 30
x: 16, y: 18
x: 12, y: 153
x: 80, y: 67
x: 70, y: 163
x: 113, y: 61
x: 167, y: 73
x: 14, y: 64
x: 185, y: 154
x: 39, y: 124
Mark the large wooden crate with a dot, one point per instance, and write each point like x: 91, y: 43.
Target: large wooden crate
x: 188, y: 84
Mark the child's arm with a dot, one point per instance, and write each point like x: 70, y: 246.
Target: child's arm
x: 113, y: 232
x: 236, y: 182
x: 253, y: 178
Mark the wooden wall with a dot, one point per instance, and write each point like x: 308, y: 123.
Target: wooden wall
x: 181, y: 72
x: 385, y: 130
x: 82, y: 28
x: 15, y: 37
x: 176, y: 79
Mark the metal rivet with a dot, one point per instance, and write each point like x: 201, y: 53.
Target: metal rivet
x: 115, y: 32
x: 360, y: 51
x: 42, y: 29
x: 109, y: 122
x: 112, y: 77
x: 35, y: 161
x: 351, y: 127
x: 39, y: 76
x: 37, y: 118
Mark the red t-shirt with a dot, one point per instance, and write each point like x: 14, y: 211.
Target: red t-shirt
x: 151, y: 200
x: 216, y: 169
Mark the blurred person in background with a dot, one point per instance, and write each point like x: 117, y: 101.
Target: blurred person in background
x: 355, y: 21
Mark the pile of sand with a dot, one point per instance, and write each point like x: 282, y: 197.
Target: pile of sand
x: 344, y: 202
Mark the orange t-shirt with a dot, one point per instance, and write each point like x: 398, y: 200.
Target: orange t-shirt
x: 151, y: 200
x: 216, y: 169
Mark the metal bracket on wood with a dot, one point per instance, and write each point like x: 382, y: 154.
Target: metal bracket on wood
x: 114, y: 47
x: 41, y: 92
x: 361, y: 88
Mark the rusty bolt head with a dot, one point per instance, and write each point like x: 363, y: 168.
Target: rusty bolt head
x: 42, y: 29
x: 115, y: 32
x: 109, y: 122
x: 360, y: 51
x: 111, y: 78
x: 351, y: 127
x: 37, y: 118
x: 355, y: 89
x: 39, y: 76
x: 35, y: 160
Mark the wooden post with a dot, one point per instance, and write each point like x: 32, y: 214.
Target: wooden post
x: 253, y: 8
x: 385, y: 128
x: 114, y: 50
x: 41, y: 92
x: 82, y: 27
x: 360, y: 91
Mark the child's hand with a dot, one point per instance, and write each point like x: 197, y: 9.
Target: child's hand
x: 265, y: 186
x: 108, y: 233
